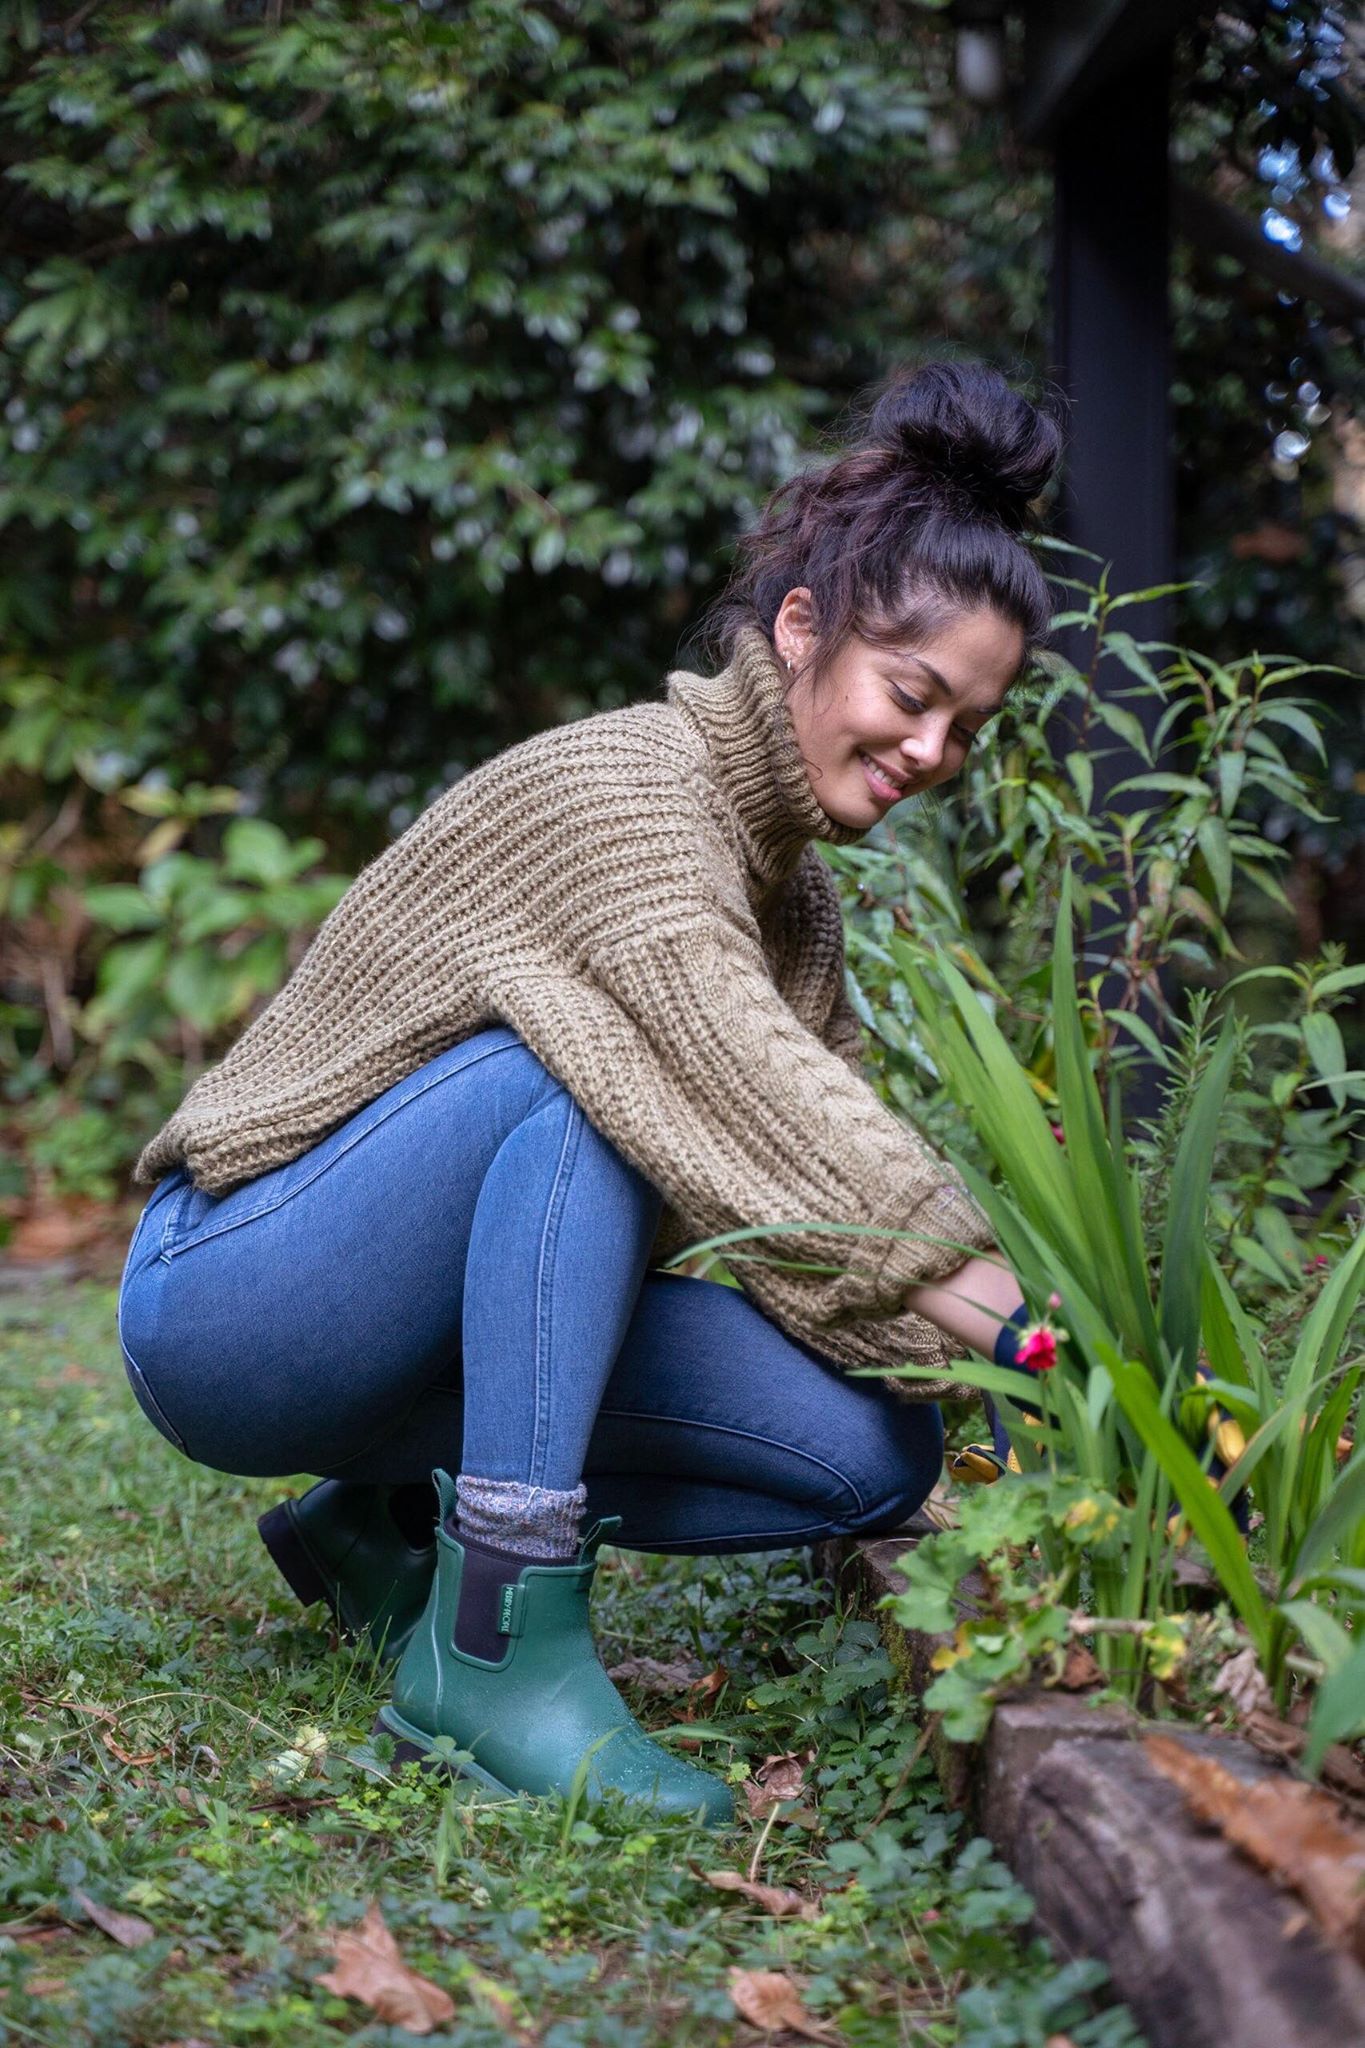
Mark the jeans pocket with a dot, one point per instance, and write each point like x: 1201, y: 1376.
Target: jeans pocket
x: 185, y: 1213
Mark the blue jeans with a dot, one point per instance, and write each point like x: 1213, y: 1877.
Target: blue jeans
x: 458, y: 1276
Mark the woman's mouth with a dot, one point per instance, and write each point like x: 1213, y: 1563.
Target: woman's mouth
x: 882, y: 784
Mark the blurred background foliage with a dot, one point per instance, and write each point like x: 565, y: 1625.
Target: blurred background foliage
x: 381, y: 382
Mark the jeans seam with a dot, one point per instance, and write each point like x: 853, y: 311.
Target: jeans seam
x: 749, y: 1436
x: 169, y: 1430
x: 266, y: 1208
x: 544, y: 1304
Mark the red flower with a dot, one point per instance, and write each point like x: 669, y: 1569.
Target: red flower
x: 1058, y: 1133
x: 1038, y: 1348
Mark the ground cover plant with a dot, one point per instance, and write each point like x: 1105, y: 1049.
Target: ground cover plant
x: 196, y: 1813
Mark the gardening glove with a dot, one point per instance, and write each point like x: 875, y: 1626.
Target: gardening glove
x: 982, y: 1464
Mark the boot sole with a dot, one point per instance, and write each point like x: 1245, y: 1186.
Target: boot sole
x: 413, y: 1746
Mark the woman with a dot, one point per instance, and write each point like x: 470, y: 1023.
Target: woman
x: 589, y: 1008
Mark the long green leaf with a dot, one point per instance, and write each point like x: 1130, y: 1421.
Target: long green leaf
x: 1119, y: 1264
x: 1339, y: 1710
x: 1204, y: 1510
x: 1319, y: 1340
x: 1182, y: 1266
x: 1336, y: 1522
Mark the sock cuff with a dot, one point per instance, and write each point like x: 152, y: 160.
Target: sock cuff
x: 538, y: 1521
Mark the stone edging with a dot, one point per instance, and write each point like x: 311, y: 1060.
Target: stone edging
x: 1203, y: 1947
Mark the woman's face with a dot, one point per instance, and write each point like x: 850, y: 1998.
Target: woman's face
x: 885, y: 725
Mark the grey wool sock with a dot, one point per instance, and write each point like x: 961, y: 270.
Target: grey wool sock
x: 535, y: 1520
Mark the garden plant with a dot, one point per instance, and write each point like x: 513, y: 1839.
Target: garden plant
x: 1196, y: 1283
x: 1194, y: 1277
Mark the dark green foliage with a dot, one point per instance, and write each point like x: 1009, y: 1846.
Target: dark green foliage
x: 384, y: 383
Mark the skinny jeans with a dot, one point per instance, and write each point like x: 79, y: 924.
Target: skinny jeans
x: 458, y: 1275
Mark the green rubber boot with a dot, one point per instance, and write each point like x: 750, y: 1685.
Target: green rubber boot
x: 528, y: 1720
x: 340, y: 1543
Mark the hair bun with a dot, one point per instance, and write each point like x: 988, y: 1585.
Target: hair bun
x: 975, y: 444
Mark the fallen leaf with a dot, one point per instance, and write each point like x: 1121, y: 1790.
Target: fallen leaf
x: 705, y: 1689
x: 777, y: 1778
x: 124, y: 1928
x: 1290, y: 1829
x: 1274, y: 1737
x: 1242, y: 1684
x: 652, y: 1674
x: 1059, y: 2041
x: 370, y: 1968
x: 122, y: 1754
x: 773, y: 1898
x: 772, y: 2001
x: 44, y: 1987
x: 1079, y: 1670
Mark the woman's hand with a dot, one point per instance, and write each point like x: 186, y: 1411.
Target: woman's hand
x: 970, y: 1305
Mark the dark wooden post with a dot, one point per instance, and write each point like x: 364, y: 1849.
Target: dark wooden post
x: 1111, y: 347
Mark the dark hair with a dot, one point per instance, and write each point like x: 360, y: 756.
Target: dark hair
x: 919, y: 517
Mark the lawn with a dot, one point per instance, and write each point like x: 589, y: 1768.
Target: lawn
x: 195, y: 1806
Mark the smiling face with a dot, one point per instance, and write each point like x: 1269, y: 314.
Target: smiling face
x: 887, y: 724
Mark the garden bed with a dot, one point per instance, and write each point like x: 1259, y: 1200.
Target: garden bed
x: 1200, y: 1942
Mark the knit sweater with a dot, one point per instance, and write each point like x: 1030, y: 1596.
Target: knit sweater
x: 637, y: 894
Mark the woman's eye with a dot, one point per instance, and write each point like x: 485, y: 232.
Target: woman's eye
x: 907, y: 703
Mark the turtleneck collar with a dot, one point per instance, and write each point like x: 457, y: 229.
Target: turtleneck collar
x: 743, y: 717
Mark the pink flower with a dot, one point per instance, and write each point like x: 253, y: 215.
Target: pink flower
x: 1038, y: 1348
x: 1054, y: 1301
x: 1058, y: 1133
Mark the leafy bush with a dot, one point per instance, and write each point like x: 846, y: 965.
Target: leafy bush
x: 126, y: 986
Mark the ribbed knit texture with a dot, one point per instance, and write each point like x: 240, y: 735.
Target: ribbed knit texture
x: 637, y: 895
x: 538, y: 1521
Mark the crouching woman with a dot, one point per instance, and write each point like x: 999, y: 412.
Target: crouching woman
x: 588, y: 1008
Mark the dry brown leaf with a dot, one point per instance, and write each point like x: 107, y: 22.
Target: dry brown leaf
x: 1274, y: 1737
x: 772, y: 2001
x: 652, y: 1674
x: 370, y: 1968
x: 704, y: 1689
x: 1079, y: 1670
x: 1059, y: 2041
x: 124, y: 1928
x: 123, y: 1755
x: 773, y: 1898
x: 44, y: 1987
x: 1242, y: 1684
x: 777, y: 1778
x: 1290, y: 1829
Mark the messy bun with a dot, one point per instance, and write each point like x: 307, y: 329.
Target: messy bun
x: 973, y: 444
x: 921, y: 516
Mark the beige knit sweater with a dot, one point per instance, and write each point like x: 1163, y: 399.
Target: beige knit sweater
x: 637, y: 895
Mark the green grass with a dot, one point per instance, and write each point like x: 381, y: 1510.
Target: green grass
x: 180, y: 1742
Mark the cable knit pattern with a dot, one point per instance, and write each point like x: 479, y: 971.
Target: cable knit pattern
x: 637, y: 894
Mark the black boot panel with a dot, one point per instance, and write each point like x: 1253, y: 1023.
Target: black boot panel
x: 487, y: 1571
